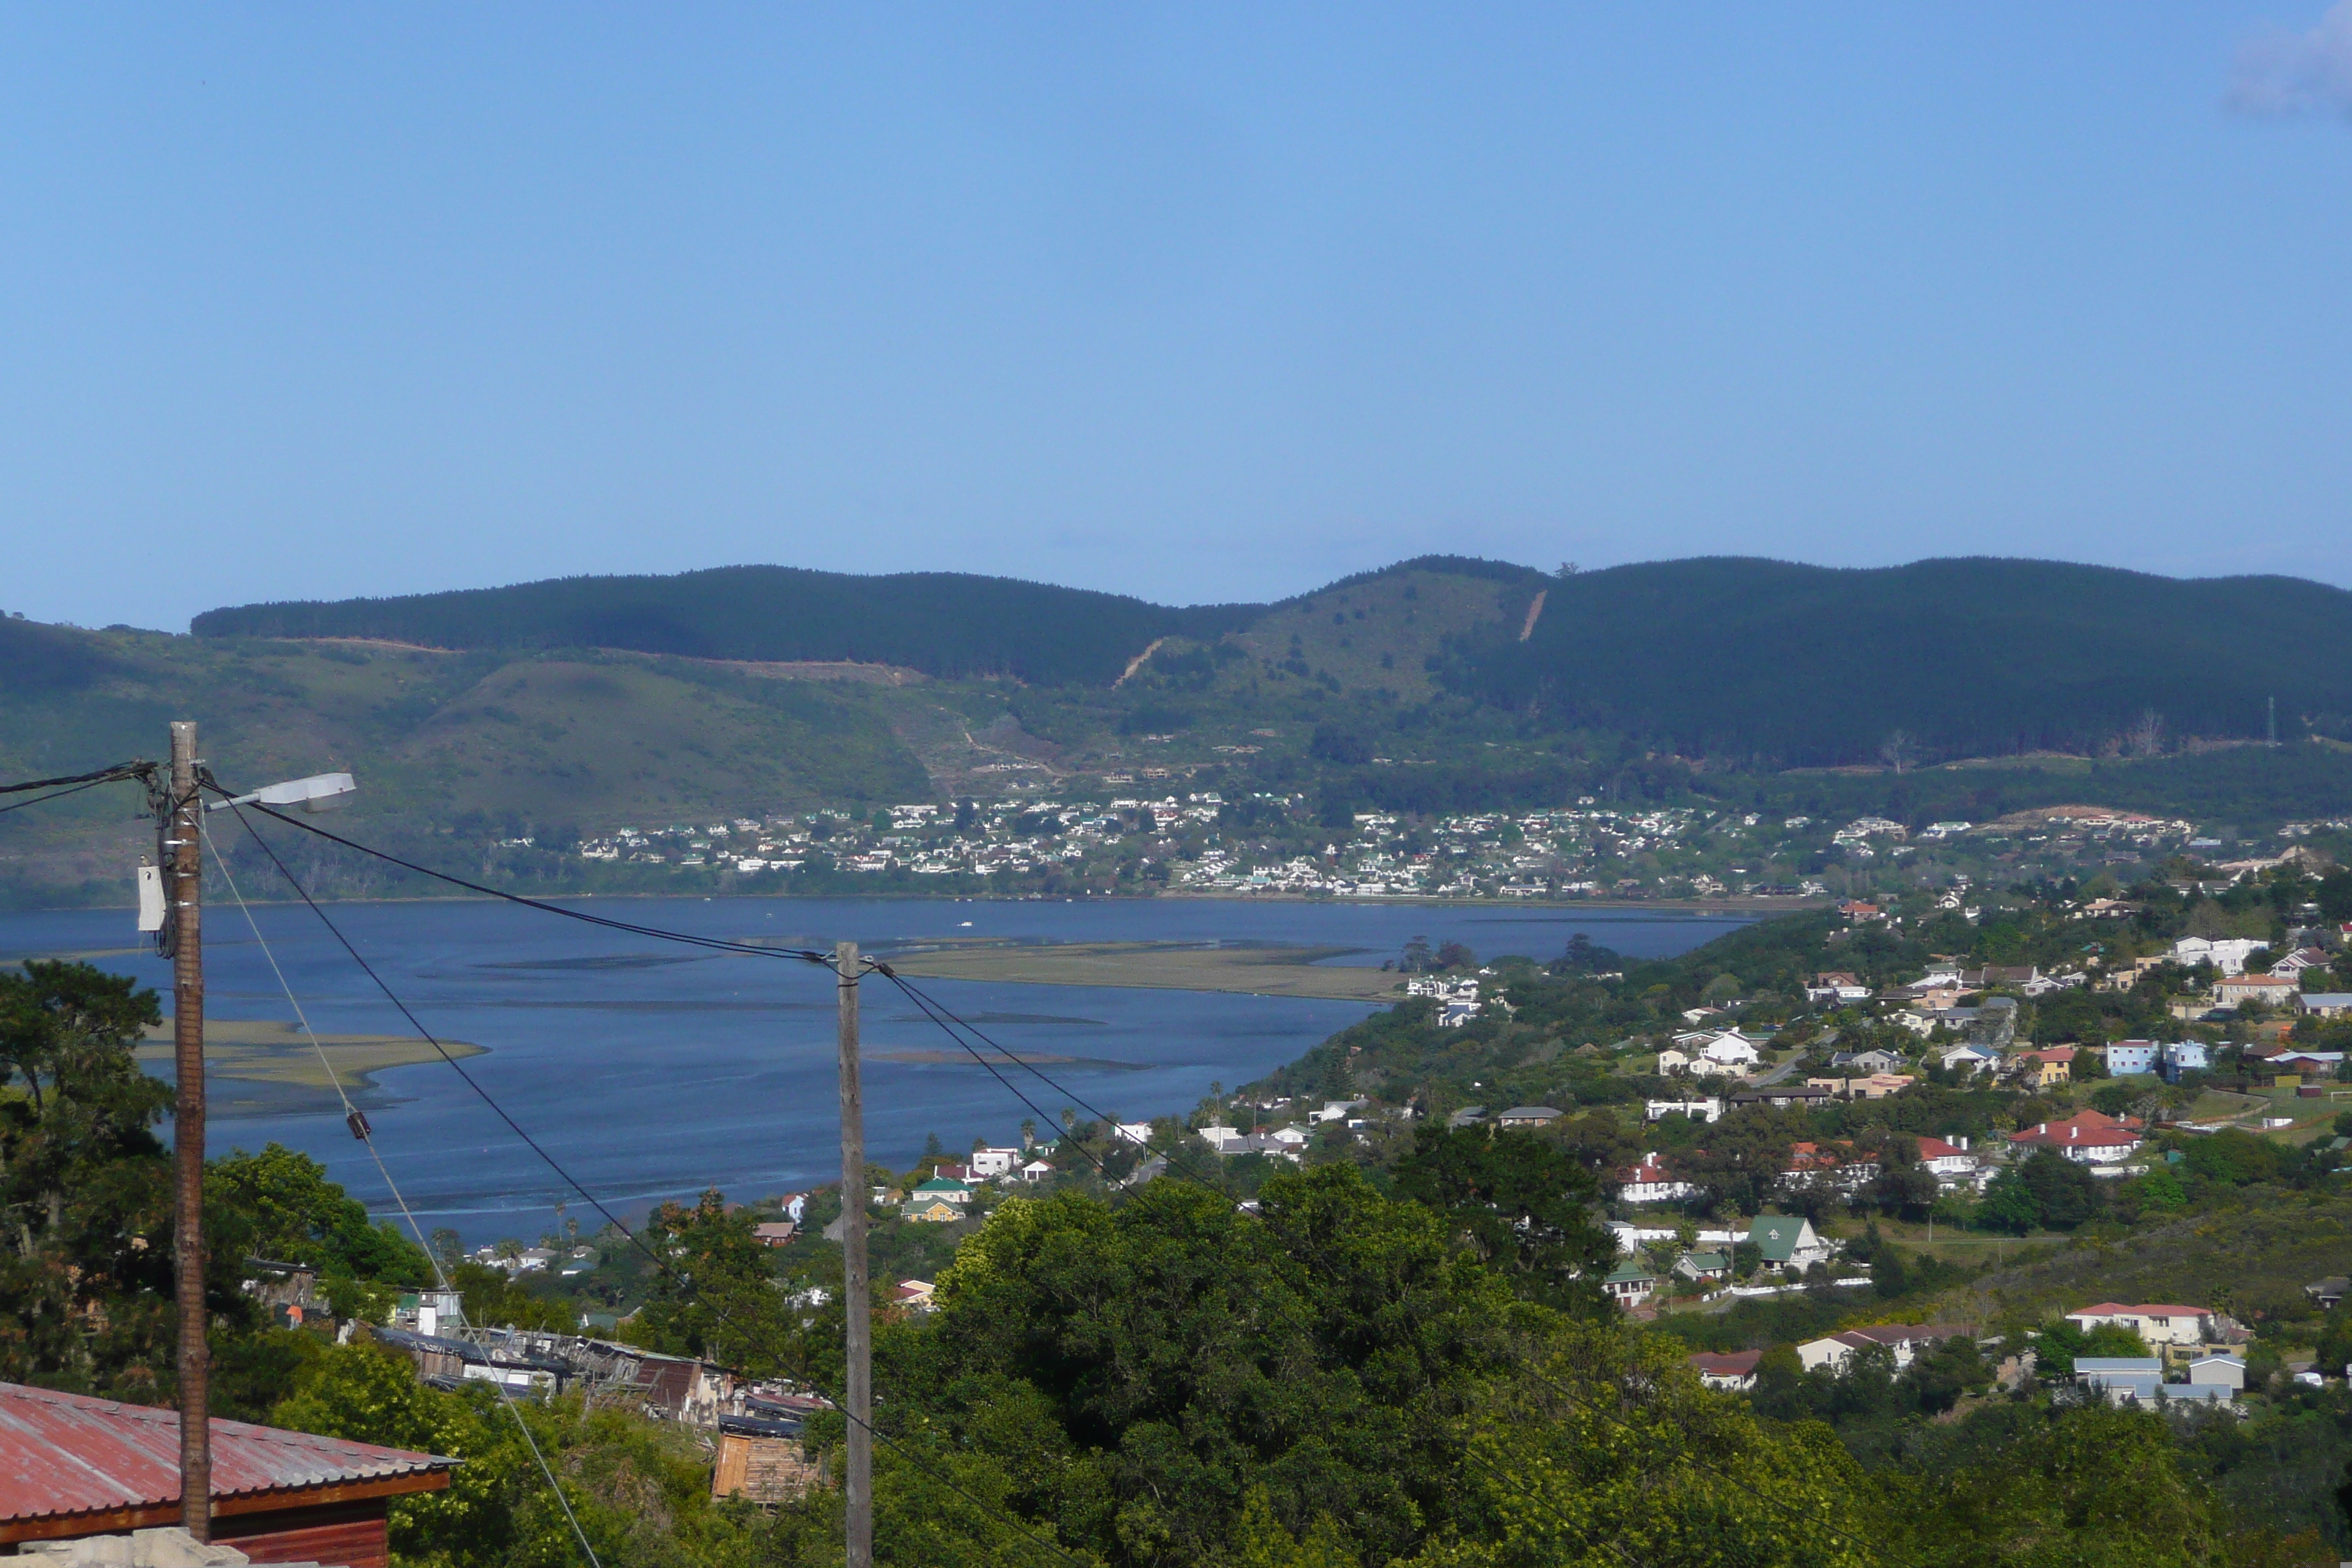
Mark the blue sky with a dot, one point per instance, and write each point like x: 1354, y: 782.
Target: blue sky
x: 1195, y: 302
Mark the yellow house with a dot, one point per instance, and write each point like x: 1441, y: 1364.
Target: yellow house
x: 932, y: 1210
x: 2047, y: 1066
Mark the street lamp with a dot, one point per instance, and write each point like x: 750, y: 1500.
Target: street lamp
x: 319, y: 792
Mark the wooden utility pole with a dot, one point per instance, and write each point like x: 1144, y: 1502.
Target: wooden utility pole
x: 857, y: 1484
x: 186, y: 880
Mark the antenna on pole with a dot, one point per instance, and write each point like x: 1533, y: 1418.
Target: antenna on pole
x: 2273, y: 724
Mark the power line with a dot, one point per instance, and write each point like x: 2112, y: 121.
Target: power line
x: 637, y: 1241
x: 135, y: 769
x: 719, y: 944
x: 941, y: 1013
x: 58, y: 795
x: 360, y: 1130
x: 947, y: 1019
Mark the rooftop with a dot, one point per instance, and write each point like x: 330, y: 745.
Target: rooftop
x: 66, y: 1458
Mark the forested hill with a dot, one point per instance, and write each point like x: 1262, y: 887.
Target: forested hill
x: 1777, y: 663
x: 941, y: 623
x: 1759, y: 664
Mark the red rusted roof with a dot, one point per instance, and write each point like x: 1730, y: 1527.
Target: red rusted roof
x: 65, y: 1454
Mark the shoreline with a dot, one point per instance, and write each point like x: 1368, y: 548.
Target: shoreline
x: 1741, y: 906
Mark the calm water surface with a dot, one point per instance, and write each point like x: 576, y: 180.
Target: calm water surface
x: 652, y: 1071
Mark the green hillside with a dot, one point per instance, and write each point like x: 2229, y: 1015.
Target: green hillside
x: 941, y: 623
x: 1788, y: 665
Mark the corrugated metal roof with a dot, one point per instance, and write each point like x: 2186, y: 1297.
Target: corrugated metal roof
x: 67, y: 1453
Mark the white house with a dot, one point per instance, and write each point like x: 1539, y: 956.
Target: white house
x: 2227, y: 954
x: 1672, y: 1061
x: 1904, y: 1339
x: 1735, y: 1372
x: 1788, y: 1242
x: 2157, y: 1324
x: 1650, y: 1183
x: 1703, y: 1110
x: 1970, y: 1059
x: 993, y: 1162
x: 1035, y: 1170
x: 1953, y: 1164
x: 1731, y: 1051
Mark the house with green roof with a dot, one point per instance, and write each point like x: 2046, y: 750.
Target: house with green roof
x: 1630, y: 1285
x: 947, y: 1189
x: 1704, y: 1266
x: 1788, y: 1242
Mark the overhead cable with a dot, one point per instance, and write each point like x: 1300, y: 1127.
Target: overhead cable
x: 358, y: 1123
x: 656, y: 1258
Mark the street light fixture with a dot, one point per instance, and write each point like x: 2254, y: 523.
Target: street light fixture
x: 319, y: 792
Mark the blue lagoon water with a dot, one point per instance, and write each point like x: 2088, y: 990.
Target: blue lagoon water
x: 653, y: 1071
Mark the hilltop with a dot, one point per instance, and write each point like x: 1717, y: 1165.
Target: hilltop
x: 1766, y: 661
x: 556, y: 709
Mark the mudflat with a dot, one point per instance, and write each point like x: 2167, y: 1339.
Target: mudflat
x: 1166, y: 966
x: 269, y: 1056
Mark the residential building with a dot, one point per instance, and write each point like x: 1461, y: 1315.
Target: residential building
x: 774, y: 1233
x: 1835, y: 986
x: 1903, y: 1341
x: 2323, y: 1003
x: 1704, y: 1267
x: 1650, y: 1182
x: 1877, y: 1086
x: 2157, y: 1324
x: 1702, y: 1109
x: 1779, y: 1096
x: 2267, y: 990
x: 2182, y: 1055
x: 1735, y: 1372
x: 948, y: 1189
x: 1954, y: 1165
x: 1035, y: 1170
x: 2123, y: 1379
x: 2127, y: 1057
x: 1630, y: 1285
x: 1970, y: 1058
x: 2089, y: 1137
x: 1528, y: 1116
x: 2329, y: 1293
x: 72, y: 1468
x: 1730, y: 1051
x: 930, y: 1209
x: 2227, y: 954
x: 989, y: 1163
x: 1788, y: 1242
x: 2044, y: 1068
x: 2227, y: 1371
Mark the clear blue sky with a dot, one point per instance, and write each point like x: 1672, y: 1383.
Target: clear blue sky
x: 1194, y: 302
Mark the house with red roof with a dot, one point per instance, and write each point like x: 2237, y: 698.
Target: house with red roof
x: 1735, y: 1372
x: 1650, y: 1182
x: 73, y: 1467
x: 1953, y: 1164
x: 2090, y: 1137
x: 2158, y: 1323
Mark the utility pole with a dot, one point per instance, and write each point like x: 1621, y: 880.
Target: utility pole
x: 186, y: 878
x: 2271, y: 731
x: 857, y: 1487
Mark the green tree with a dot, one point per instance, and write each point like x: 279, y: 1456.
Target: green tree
x: 2065, y: 1193
x: 86, y: 1275
x: 718, y: 1298
x: 298, y: 1216
x: 1521, y: 1203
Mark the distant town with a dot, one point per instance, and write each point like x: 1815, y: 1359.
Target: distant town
x: 1204, y: 842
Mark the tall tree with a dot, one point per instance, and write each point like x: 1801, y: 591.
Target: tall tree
x: 1522, y: 1204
